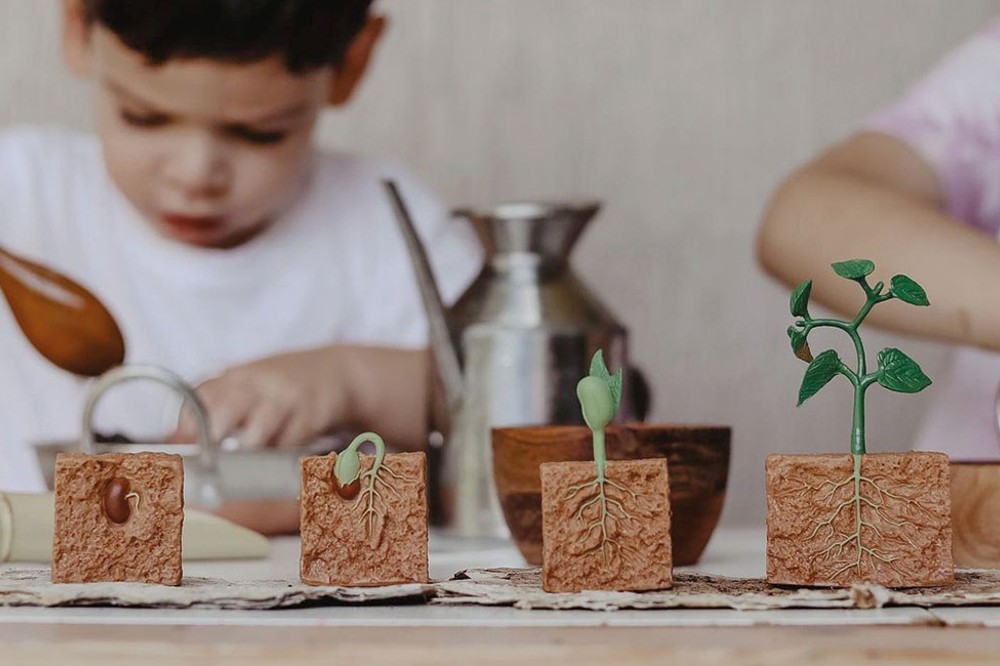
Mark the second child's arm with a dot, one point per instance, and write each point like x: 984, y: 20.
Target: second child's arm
x: 873, y: 197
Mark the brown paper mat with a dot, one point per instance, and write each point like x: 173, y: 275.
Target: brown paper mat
x: 32, y: 587
x: 519, y: 588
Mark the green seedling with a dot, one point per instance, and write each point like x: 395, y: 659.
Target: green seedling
x: 600, y: 396
x: 349, y: 482
x: 895, y: 371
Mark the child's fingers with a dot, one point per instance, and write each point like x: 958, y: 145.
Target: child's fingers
x: 228, y: 409
x: 264, y: 424
x: 296, y: 433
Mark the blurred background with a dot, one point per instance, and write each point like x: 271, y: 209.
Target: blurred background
x: 681, y: 115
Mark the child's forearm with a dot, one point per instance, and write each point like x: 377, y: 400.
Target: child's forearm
x: 388, y: 392
x: 874, y: 198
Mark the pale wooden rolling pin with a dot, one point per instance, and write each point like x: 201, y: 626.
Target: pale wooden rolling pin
x: 26, y: 525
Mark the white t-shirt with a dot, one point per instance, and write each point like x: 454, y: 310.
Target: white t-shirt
x: 332, y: 269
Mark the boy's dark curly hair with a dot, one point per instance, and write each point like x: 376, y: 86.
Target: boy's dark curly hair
x: 307, y: 33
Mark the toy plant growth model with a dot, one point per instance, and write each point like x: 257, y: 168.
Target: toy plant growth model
x: 834, y: 520
x: 118, y: 518
x: 605, y: 525
x: 364, y: 517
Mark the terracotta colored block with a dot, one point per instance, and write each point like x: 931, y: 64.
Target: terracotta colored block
x: 904, y: 505
x: 145, y: 545
x: 635, y: 554
x: 370, y: 539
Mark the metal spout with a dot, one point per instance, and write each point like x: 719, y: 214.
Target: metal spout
x: 446, y: 355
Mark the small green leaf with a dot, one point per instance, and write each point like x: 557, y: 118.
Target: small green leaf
x: 854, y: 269
x: 908, y: 291
x: 819, y: 373
x: 800, y: 299
x: 597, y: 366
x: 614, y: 382
x: 898, y: 372
x: 799, y: 345
x: 616, y: 389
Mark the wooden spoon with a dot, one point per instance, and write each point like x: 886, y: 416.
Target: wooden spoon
x: 61, y: 319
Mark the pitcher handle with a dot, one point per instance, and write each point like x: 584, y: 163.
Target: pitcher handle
x: 208, y: 492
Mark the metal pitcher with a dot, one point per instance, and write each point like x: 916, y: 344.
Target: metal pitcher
x: 512, y: 348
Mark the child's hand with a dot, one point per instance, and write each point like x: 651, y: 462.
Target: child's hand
x: 291, y: 399
x: 280, y: 401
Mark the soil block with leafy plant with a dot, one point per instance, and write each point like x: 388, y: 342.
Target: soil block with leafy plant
x: 363, y: 518
x: 118, y: 518
x: 605, y: 525
x: 884, y: 518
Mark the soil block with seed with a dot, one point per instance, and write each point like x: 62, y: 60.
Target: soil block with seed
x: 118, y: 517
x: 373, y: 534
x: 618, y: 542
x: 886, y: 521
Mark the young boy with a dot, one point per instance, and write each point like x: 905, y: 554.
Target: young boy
x: 228, y: 249
x: 918, y: 191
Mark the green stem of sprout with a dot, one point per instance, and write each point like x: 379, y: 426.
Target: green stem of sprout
x: 600, y: 454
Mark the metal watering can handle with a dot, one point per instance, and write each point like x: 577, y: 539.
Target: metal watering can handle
x: 208, y: 491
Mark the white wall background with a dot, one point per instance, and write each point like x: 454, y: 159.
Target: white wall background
x: 681, y: 115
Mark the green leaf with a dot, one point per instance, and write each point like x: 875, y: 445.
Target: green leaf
x: 898, y: 372
x: 614, y: 382
x: 819, y: 373
x: 799, y: 345
x: 854, y: 269
x: 908, y: 291
x: 616, y: 389
x: 800, y: 299
x: 597, y: 366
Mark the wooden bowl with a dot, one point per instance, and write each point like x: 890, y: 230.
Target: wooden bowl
x: 975, y: 514
x: 698, y: 459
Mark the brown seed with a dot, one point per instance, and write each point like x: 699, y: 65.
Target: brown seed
x: 350, y: 491
x: 116, y: 506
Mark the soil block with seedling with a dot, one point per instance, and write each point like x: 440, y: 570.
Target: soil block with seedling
x: 118, y: 518
x: 884, y: 518
x: 605, y: 525
x: 364, y: 517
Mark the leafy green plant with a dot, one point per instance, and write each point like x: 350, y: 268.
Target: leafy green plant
x: 895, y: 370
x: 600, y: 395
x: 877, y: 512
x: 349, y: 481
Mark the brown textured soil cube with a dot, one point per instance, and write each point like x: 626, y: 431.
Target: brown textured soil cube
x: 371, y: 539
x: 635, y: 552
x: 90, y: 547
x: 904, y: 505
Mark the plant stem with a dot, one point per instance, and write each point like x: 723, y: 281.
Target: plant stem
x: 376, y: 441
x: 858, y: 426
x: 600, y: 454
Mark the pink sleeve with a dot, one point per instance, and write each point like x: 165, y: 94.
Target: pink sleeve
x: 952, y: 119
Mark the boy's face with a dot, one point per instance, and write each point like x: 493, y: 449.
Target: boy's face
x: 208, y: 151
